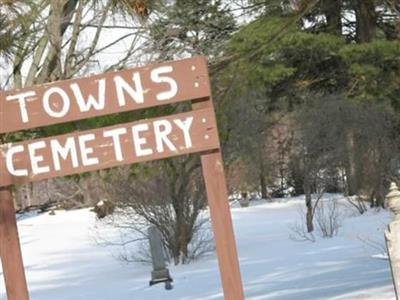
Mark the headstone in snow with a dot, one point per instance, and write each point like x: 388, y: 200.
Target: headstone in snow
x: 392, y: 236
x: 244, y: 200
x: 160, y: 271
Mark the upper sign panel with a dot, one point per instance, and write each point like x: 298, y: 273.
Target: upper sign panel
x: 104, y: 94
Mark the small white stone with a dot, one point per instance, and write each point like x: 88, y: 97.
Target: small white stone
x: 196, y: 84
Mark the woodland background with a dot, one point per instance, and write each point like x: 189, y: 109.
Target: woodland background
x: 307, y: 94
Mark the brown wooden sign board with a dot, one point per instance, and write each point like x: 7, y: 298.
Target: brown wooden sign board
x: 108, y: 147
x: 83, y: 151
x: 100, y: 95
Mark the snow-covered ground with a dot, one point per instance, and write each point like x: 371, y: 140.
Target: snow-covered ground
x: 63, y: 261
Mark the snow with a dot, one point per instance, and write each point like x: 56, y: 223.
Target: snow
x: 63, y: 260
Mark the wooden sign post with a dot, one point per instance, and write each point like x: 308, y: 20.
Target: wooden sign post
x: 10, y: 250
x: 191, y: 132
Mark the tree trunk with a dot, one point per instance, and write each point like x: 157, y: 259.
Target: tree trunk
x: 351, y: 178
x: 68, y: 12
x: 183, y: 251
x: 61, y: 14
x: 366, y: 20
x: 381, y: 189
x: 309, y: 215
x: 263, y: 183
x: 333, y: 13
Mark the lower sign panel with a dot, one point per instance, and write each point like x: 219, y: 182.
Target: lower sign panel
x: 108, y: 147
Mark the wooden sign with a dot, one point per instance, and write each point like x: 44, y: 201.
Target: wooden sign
x: 100, y: 95
x: 108, y: 147
x: 84, y: 151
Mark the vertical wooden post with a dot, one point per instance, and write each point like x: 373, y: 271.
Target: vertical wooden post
x: 10, y: 250
x: 221, y: 219
x: 213, y: 170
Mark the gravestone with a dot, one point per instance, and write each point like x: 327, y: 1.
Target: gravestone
x: 160, y: 271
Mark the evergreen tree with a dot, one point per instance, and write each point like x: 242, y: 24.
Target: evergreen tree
x: 191, y: 27
x: 312, y: 51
